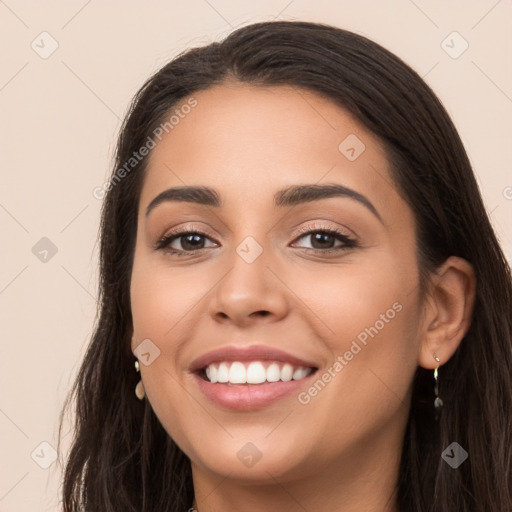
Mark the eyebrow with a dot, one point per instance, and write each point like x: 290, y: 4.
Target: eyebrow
x: 289, y: 196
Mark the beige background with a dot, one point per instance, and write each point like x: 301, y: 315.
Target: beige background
x: 59, y: 119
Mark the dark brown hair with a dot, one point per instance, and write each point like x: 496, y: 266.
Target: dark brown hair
x: 122, y: 459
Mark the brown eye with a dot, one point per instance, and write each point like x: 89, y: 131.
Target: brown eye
x: 191, y: 242
x: 184, y: 242
x: 324, y: 240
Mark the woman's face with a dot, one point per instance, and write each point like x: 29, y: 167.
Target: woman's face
x: 269, y: 294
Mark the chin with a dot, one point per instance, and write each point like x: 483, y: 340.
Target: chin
x: 253, y: 461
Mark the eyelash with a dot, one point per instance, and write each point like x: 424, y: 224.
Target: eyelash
x: 349, y: 242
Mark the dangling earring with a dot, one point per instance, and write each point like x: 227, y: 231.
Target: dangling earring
x: 438, y: 403
x: 139, y: 388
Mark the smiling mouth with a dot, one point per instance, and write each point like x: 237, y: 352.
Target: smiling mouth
x: 253, y: 372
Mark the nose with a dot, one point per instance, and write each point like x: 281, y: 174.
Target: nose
x: 249, y: 292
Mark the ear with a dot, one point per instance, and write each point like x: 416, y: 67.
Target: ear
x: 448, y: 311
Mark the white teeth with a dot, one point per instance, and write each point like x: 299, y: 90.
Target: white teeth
x: 211, y: 373
x: 223, y: 373
x: 299, y: 373
x: 287, y: 373
x: 254, y: 373
x: 273, y: 373
x: 237, y: 373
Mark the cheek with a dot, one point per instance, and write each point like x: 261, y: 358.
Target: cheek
x: 162, y: 300
x: 368, y: 316
x: 364, y: 298
x: 168, y: 306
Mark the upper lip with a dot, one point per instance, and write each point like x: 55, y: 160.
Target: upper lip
x: 251, y: 353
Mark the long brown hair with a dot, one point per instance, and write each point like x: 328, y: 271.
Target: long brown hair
x: 121, y: 458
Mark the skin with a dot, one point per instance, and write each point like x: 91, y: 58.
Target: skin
x: 341, y: 450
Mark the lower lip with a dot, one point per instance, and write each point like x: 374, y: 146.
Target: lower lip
x: 247, y: 397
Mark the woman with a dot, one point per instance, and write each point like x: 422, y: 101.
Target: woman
x: 303, y: 303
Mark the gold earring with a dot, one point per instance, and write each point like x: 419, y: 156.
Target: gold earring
x: 139, y: 388
x: 438, y: 403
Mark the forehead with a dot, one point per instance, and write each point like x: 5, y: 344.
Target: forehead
x: 247, y: 141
